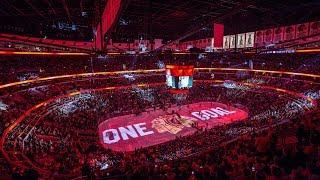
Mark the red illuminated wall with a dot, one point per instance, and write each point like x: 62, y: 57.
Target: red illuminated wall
x: 41, y: 41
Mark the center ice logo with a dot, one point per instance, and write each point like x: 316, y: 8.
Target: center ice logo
x: 172, y: 123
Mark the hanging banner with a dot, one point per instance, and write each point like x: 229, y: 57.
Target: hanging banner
x: 109, y: 17
x: 212, y: 43
x: 232, y: 41
x: 290, y: 33
x: 241, y: 39
x: 226, y: 42
x: 314, y: 28
x: 259, y: 38
x: 302, y: 30
x: 218, y: 35
x: 278, y: 34
x: 250, y: 39
x: 268, y: 36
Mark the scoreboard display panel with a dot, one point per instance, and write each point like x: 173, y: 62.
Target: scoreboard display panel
x: 179, y: 77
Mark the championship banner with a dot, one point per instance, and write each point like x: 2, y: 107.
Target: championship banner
x: 130, y: 132
x: 241, y: 40
x: 226, y: 42
x: 290, y: 33
x: 314, y: 28
x: 218, y: 35
x: 278, y: 34
x: 250, y: 39
x: 268, y: 36
x: 302, y: 30
x: 232, y: 41
x: 212, y: 43
x: 259, y: 38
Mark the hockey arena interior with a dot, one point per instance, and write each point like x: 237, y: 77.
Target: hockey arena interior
x: 159, y: 89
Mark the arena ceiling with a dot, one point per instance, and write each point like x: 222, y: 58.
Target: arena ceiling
x: 61, y: 19
x: 180, y: 18
x: 167, y: 19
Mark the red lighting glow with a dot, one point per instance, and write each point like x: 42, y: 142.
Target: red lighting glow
x: 41, y: 53
x: 127, y: 133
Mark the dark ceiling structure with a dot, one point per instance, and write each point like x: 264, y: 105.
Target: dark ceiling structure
x: 150, y: 19
x: 176, y: 19
x: 60, y: 19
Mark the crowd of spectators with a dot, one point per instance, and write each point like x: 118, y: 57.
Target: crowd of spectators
x: 61, y: 137
x: 268, y: 154
x: 66, y: 138
x: 17, y: 68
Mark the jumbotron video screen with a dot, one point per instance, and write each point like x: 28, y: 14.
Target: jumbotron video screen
x: 179, y: 77
x: 179, y: 82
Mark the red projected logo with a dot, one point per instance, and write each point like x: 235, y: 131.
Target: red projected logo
x: 126, y: 133
x: 172, y: 123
